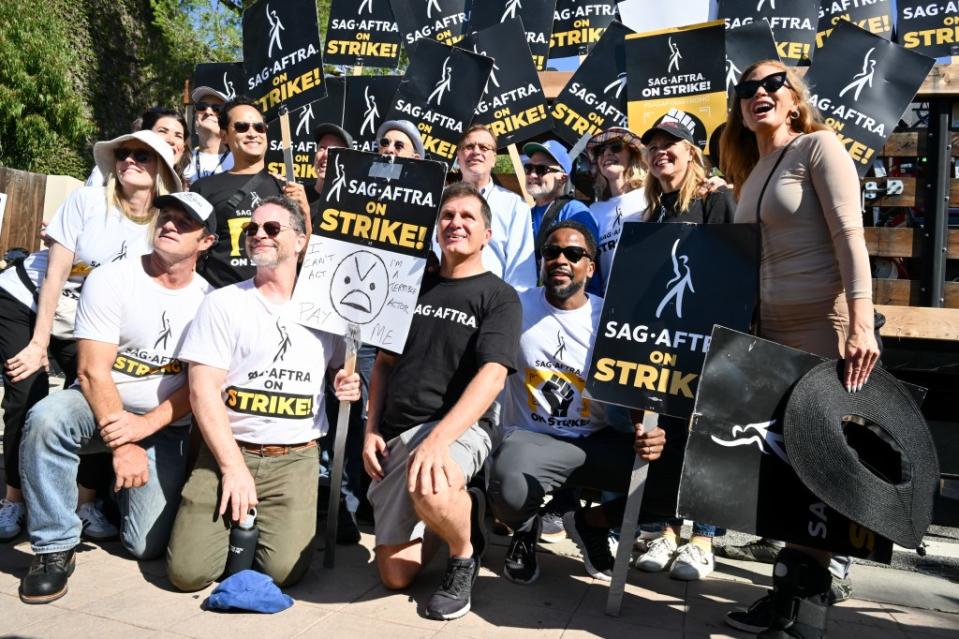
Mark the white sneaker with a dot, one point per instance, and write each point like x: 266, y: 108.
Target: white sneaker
x: 692, y: 563
x: 658, y: 555
x: 12, y: 514
x: 95, y: 524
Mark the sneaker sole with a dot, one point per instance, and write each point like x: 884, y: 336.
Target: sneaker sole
x: 745, y: 627
x: 520, y: 581
x: 553, y: 538
x: 573, y: 533
x: 450, y: 615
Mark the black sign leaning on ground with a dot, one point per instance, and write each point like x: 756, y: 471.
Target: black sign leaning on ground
x: 931, y: 28
x: 680, y: 72
x: 441, y: 20
x: 579, y: 24
x: 303, y: 122
x: 537, y: 17
x: 861, y: 84
x: 793, y: 23
x: 362, y: 33
x: 282, y: 55
x: 669, y: 284
x: 595, y: 97
x: 439, y: 94
x: 875, y: 16
x: 368, y: 98
x: 736, y: 472
x: 745, y: 45
x: 514, y: 105
x: 226, y: 77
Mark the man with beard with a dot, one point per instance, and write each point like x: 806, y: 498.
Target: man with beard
x: 553, y: 436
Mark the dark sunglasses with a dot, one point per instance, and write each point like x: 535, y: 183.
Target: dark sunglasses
x: 615, y: 146
x: 572, y: 253
x: 399, y: 145
x: 140, y: 156
x: 271, y: 228
x: 540, y: 169
x: 243, y: 127
x: 203, y: 106
x: 770, y: 84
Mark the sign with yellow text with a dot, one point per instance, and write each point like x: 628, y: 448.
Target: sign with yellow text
x: 669, y: 284
x: 793, y: 23
x: 683, y: 69
x: 362, y: 33
x: 441, y: 20
x: 928, y: 27
x: 579, y: 24
x: 875, y: 16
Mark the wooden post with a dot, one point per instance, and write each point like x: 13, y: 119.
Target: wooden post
x: 520, y: 174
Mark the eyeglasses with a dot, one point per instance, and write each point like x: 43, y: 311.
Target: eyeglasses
x: 476, y: 146
x: 243, y: 127
x: 614, y: 146
x: 540, y: 169
x: 203, y: 106
x: 140, y: 156
x: 770, y: 84
x: 271, y: 228
x: 399, y: 145
x: 572, y: 253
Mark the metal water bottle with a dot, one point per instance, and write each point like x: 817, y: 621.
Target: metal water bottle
x: 243, y: 536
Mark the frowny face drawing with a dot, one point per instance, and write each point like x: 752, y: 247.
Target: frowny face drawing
x: 360, y: 287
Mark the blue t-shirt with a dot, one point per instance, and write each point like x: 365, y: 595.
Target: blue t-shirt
x: 577, y: 212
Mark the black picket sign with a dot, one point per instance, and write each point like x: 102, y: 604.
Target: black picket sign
x: 537, y: 17
x: 928, y: 27
x: 793, y: 23
x: 226, y: 77
x: 441, y: 20
x: 362, y: 33
x: 514, y: 105
x: 595, y: 97
x: 579, y: 24
x: 874, y: 17
x: 368, y: 98
x: 862, y: 84
x: 669, y: 284
x: 282, y: 55
x: 745, y: 45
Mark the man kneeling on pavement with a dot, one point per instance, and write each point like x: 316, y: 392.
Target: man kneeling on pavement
x: 424, y: 439
x: 257, y: 389
x: 131, y: 397
x: 553, y: 435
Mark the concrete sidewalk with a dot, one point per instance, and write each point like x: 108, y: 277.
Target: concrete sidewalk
x: 112, y: 596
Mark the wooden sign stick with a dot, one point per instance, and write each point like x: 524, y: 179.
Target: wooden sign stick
x: 520, y: 173
x: 286, y: 143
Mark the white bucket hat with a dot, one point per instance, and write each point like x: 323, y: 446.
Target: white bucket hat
x: 103, y: 153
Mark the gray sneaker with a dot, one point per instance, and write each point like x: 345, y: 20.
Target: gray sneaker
x: 12, y: 516
x: 96, y: 526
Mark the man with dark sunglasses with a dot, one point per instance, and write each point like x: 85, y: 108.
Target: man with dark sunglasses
x: 234, y: 194
x: 553, y: 435
x: 400, y: 138
x: 210, y: 156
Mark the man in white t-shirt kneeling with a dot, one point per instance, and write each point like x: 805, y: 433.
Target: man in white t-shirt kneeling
x: 257, y: 389
x: 131, y: 398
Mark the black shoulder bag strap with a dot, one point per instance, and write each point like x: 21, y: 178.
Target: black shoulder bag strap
x: 242, y: 192
x: 759, y: 235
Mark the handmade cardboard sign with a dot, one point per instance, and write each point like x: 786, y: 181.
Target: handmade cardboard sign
x: 861, y: 84
x: 302, y: 123
x: 536, y: 16
x: 282, y: 55
x: 362, y: 33
x: 793, y: 23
x: 579, y: 24
x: 368, y: 98
x: 874, y: 16
x: 366, y: 259
x: 678, y: 69
x: 225, y: 77
x: 669, y: 284
x: 514, y: 105
x: 441, y: 20
x: 745, y: 45
x: 736, y: 471
x: 595, y: 97
x: 439, y: 94
x: 928, y: 27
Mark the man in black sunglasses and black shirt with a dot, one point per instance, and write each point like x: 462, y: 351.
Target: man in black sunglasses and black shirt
x: 236, y: 193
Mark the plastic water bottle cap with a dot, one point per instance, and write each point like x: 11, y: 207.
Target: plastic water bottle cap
x: 248, y: 521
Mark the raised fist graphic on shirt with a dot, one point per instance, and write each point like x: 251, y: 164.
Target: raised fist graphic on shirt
x: 559, y: 394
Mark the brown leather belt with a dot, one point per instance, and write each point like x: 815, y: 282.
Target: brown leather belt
x: 274, y: 450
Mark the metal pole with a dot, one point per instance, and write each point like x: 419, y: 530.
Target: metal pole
x: 936, y: 230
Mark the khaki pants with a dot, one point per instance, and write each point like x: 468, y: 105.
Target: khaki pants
x: 286, y: 488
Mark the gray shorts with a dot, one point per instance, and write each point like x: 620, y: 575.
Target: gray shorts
x: 396, y: 520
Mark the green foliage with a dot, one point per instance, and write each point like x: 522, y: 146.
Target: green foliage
x: 44, y: 124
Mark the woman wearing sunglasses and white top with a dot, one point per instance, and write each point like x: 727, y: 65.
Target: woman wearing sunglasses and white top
x: 793, y: 175
x: 95, y: 225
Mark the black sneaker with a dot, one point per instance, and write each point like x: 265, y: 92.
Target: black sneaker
x: 761, y: 550
x: 46, y: 580
x: 477, y: 526
x: 593, y: 542
x: 754, y: 619
x: 552, y: 527
x: 839, y: 591
x: 347, y: 531
x: 452, y: 600
x: 521, y: 565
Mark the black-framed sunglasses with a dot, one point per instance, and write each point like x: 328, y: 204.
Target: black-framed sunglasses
x: 399, y: 145
x: 770, y: 84
x: 243, y: 127
x: 203, y: 106
x: 615, y: 146
x: 572, y: 253
x: 540, y: 169
x: 140, y: 156
x: 271, y: 228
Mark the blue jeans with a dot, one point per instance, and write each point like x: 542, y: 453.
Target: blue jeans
x: 700, y: 529
x: 61, y: 428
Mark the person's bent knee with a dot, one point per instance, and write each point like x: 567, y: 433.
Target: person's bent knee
x: 287, y: 570
x: 510, y: 496
x: 188, y: 575
x: 399, y: 564
x: 142, y: 547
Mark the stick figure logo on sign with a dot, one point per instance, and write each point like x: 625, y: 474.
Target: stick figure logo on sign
x: 359, y: 287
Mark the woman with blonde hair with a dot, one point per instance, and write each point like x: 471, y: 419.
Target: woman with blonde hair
x: 794, y: 177
x: 96, y: 224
